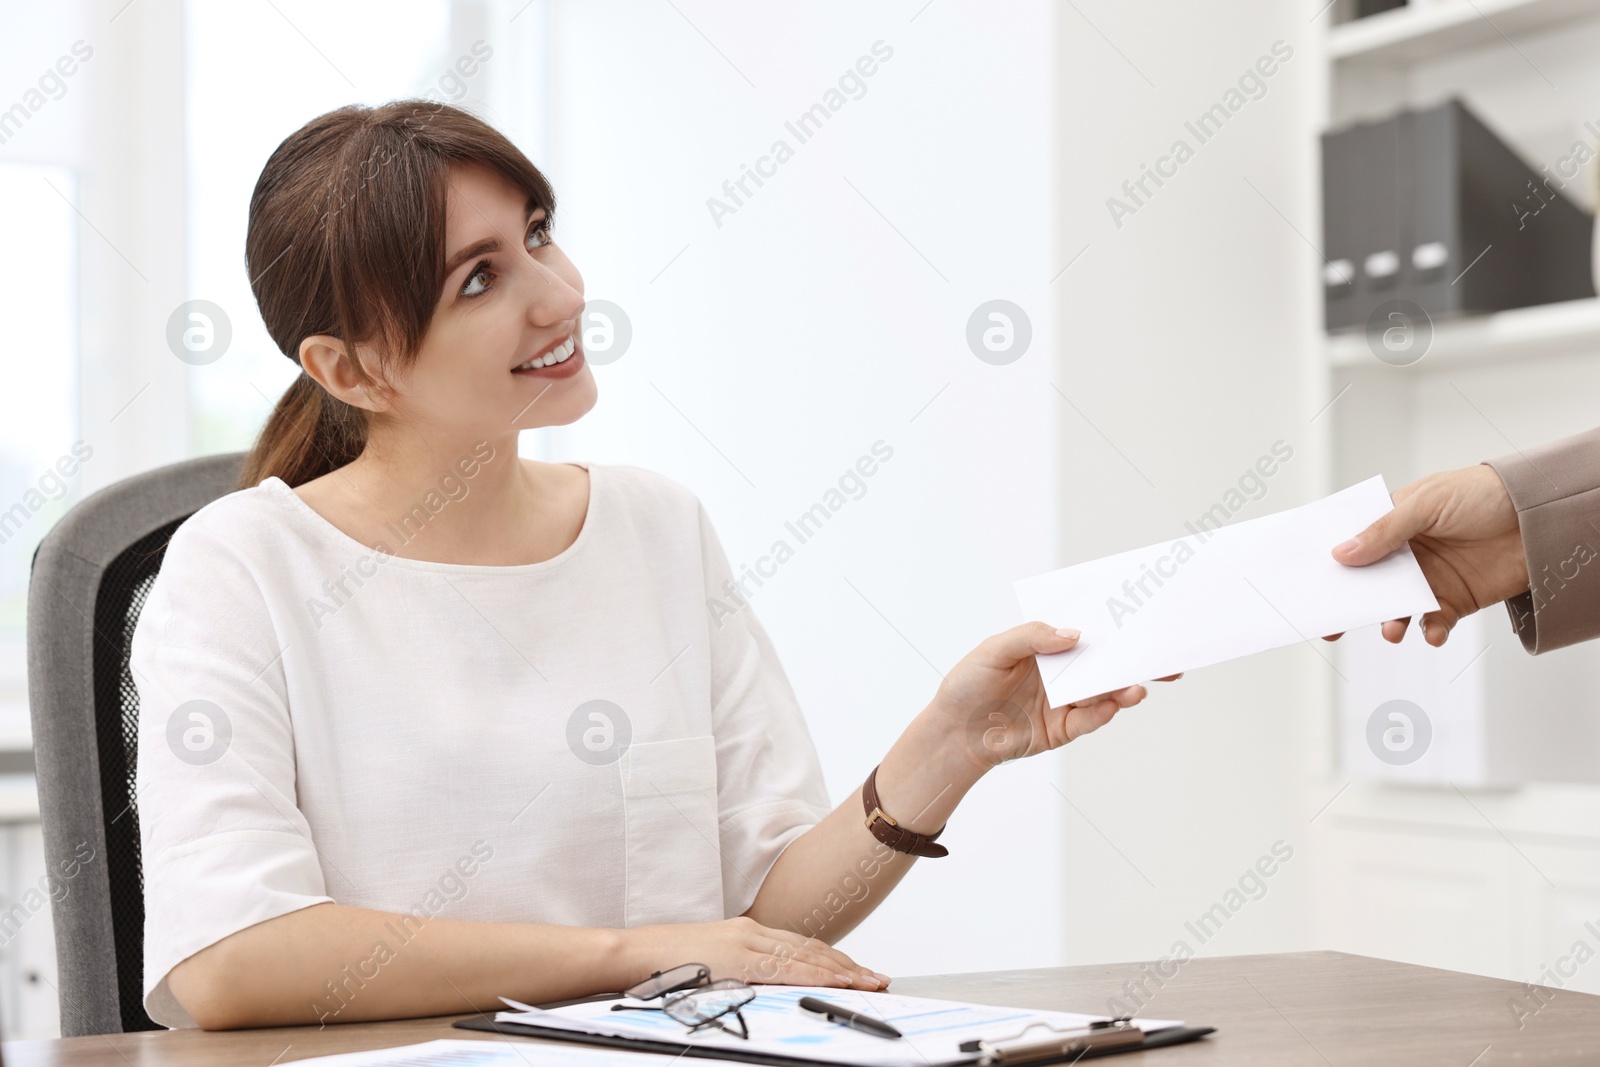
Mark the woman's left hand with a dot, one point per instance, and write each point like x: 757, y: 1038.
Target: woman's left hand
x: 994, y: 699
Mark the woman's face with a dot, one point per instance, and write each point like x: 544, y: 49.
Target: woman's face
x: 510, y: 297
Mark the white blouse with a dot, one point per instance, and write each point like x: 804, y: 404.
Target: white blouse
x: 579, y: 741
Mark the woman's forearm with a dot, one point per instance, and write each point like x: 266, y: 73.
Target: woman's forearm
x: 335, y: 963
x: 835, y: 874
x: 991, y: 707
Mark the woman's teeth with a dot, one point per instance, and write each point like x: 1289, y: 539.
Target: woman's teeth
x: 559, y: 354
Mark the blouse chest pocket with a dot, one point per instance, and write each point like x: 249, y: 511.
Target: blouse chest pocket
x: 673, y: 852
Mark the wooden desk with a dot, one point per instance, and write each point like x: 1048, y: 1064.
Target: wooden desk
x: 1313, y: 1008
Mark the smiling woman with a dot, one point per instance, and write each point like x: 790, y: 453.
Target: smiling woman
x: 533, y: 672
x: 372, y: 190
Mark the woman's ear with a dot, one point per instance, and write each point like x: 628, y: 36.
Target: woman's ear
x: 326, y: 359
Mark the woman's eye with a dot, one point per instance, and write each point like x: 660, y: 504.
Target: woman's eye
x: 539, y: 236
x: 468, y: 290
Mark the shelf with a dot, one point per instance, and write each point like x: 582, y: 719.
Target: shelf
x: 1500, y: 337
x: 1557, y: 814
x: 1408, y: 34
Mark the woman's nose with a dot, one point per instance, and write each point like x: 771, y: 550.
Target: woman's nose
x: 552, y: 297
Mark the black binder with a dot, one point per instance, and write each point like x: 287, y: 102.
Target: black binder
x: 1364, y: 200
x: 1431, y: 207
x: 1174, y: 1035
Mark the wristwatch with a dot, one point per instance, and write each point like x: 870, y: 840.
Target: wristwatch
x: 891, y: 833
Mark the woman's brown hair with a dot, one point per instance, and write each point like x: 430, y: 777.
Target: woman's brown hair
x: 346, y: 238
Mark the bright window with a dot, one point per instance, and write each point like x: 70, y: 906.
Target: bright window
x: 39, y: 412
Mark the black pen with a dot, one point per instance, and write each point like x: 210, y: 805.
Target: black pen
x: 853, y: 1019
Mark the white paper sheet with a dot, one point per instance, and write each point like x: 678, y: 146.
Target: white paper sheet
x: 1218, y: 594
x: 933, y: 1029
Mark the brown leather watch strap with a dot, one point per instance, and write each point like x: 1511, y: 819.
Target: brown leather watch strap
x: 891, y: 833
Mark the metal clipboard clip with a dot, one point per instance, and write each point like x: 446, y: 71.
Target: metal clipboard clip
x: 1118, y: 1032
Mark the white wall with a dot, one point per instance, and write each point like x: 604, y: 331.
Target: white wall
x: 1184, y: 340
x: 771, y: 352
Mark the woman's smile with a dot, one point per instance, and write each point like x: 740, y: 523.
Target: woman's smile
x: 559, y: 361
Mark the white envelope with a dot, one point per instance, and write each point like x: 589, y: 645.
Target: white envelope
x: 1219, y: 594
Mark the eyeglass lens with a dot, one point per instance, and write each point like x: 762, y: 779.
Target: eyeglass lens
x: 709, y: 1002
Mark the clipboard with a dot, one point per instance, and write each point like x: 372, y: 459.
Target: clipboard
x: 1032, y: 1054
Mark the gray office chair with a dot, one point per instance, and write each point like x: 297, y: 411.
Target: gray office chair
x: 91, y: 574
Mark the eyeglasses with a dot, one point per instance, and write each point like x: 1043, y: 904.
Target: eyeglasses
x: 693, y: 999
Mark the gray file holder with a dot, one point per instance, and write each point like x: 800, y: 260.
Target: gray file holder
x: 1429, y: 206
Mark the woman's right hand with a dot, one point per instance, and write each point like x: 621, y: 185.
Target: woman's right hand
x: 743, y: 948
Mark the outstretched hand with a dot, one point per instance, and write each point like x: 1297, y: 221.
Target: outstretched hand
x: 996, y: 698
x: 1463, y: 531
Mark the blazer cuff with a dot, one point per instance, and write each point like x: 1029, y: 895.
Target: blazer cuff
x: 1555, y: 489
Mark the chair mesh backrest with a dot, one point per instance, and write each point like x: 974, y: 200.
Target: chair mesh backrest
x: 123, y: 589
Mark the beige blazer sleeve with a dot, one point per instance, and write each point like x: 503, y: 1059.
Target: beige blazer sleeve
x: 1556, y: 491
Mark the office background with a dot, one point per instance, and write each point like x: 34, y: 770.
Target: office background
x: 778, y: 335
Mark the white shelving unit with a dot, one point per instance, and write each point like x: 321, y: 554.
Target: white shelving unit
x: 28, y: 1007
x: 1452, y: 861
x: 1440, y: 27
x: 1493, y: 383
x: 1518, y: 336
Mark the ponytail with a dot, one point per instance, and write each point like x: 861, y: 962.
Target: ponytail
x: 309, y: 433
